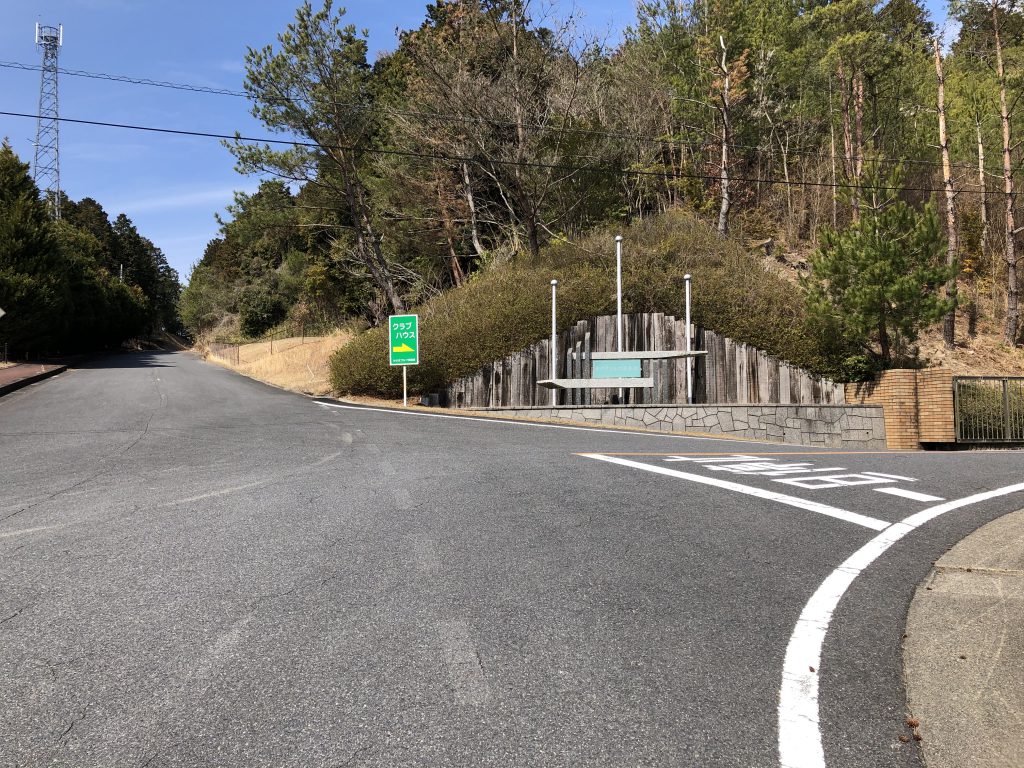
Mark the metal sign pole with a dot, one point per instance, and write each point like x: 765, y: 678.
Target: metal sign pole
x: 405, y: 386
x: 689, y: 360
x: 618, y: 302
x: 554, y: 338
x: 618, y: 293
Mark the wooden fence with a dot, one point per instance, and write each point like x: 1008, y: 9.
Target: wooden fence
x: 731, y: 372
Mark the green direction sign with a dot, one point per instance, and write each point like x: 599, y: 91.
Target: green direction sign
x: 405, y: 339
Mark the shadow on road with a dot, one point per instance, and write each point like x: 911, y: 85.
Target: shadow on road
x: 145, y: 359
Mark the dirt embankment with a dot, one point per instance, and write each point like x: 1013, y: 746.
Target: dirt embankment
x: 296, y: 363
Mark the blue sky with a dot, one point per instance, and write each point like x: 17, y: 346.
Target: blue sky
x: 171, y: 186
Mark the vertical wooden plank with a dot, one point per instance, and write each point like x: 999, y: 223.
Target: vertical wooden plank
x: 784, y: 386
x: 742, y: 374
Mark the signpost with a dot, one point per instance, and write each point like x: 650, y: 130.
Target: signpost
x: 404, y: 346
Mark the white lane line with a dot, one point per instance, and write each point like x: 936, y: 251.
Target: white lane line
x: 508, y: 422
x: 23, y: 531
x: 792, y: 501
x: 800, y: 744
x: 914, y: 495
x: 215, y: 494
x: 249, y: 486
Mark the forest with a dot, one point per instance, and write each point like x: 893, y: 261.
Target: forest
x: 856, y: 141
x: 76, y: 282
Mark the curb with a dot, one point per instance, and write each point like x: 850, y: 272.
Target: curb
x: 6, y: 389
x: 963, y: 651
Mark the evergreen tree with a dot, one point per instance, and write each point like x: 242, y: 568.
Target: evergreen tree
x: 876, y: 283
x: 33, y: 287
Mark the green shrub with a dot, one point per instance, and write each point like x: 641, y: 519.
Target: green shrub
x: 506, y: 309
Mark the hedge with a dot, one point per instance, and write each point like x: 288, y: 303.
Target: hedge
x: 508, y: 308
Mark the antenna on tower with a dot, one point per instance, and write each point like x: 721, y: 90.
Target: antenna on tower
x: 46, y: 168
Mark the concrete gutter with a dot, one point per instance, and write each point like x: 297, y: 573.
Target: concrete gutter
x: 964, y: 652
x: 18, y: 376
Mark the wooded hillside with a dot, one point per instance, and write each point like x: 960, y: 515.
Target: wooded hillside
x: 825, y: 132
x: 78, y: 283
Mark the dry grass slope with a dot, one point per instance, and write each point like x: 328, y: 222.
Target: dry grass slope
x: 298, y: 364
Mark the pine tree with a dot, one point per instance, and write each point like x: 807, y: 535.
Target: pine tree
x: 876, y: 283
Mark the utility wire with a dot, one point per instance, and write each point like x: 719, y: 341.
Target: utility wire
x: 449, y: 118
x: 236, y: 137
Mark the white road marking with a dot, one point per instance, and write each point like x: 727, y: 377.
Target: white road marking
x: 832, y: 481
x: 8, y: 534
x: 792, y: 501
x: 249, y: 486
x: 892, y: 477
x: 214, y: 494
x: 800, y: 744
x: 716, y: 460
x: 509, y: 423
x: 908, y: 494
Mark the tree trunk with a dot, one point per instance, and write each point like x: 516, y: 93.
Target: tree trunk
x: 953, y: 251
x: 972, y: 315
x: 883, y: 340
x: 832, y: 145
x: 858, y: 158
x: 723, y: 212
x: 533, y: 235
x: 984, y: 192
x: 458, y: 275
x: 367, y: 242
x: 1012, y: 310
x: 471, y: 202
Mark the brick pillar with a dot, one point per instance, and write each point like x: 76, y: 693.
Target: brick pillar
x: 918, y: 405
x: 935, y: 405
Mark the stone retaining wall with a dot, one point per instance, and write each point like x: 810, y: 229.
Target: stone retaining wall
x: 855, y: 427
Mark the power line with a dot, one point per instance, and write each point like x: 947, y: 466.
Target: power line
x: 450, y: 118
x: 127, y: 79
x: 477, y: 161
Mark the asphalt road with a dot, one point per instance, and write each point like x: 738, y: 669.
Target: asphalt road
x: 199, y: 570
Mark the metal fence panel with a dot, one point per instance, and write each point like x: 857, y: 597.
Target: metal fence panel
x: 989, y: 409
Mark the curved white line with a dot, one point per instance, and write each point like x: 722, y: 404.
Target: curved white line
x: 800, y: 744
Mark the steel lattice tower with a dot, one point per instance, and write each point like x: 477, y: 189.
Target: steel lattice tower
x: 46, y: 168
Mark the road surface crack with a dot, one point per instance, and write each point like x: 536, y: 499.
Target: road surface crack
x: 358, y: 754
x: 71, y: 726
x: 17, y: 613
x: 109, y: 460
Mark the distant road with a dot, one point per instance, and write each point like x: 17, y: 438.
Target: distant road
x: 200, y: 570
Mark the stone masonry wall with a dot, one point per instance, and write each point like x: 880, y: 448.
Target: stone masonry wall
x: 855, y: 427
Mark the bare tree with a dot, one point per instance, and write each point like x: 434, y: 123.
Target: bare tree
x: 953, y: 249
x: 1012, y: 326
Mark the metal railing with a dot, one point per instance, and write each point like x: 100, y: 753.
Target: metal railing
x: 989, y: 409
